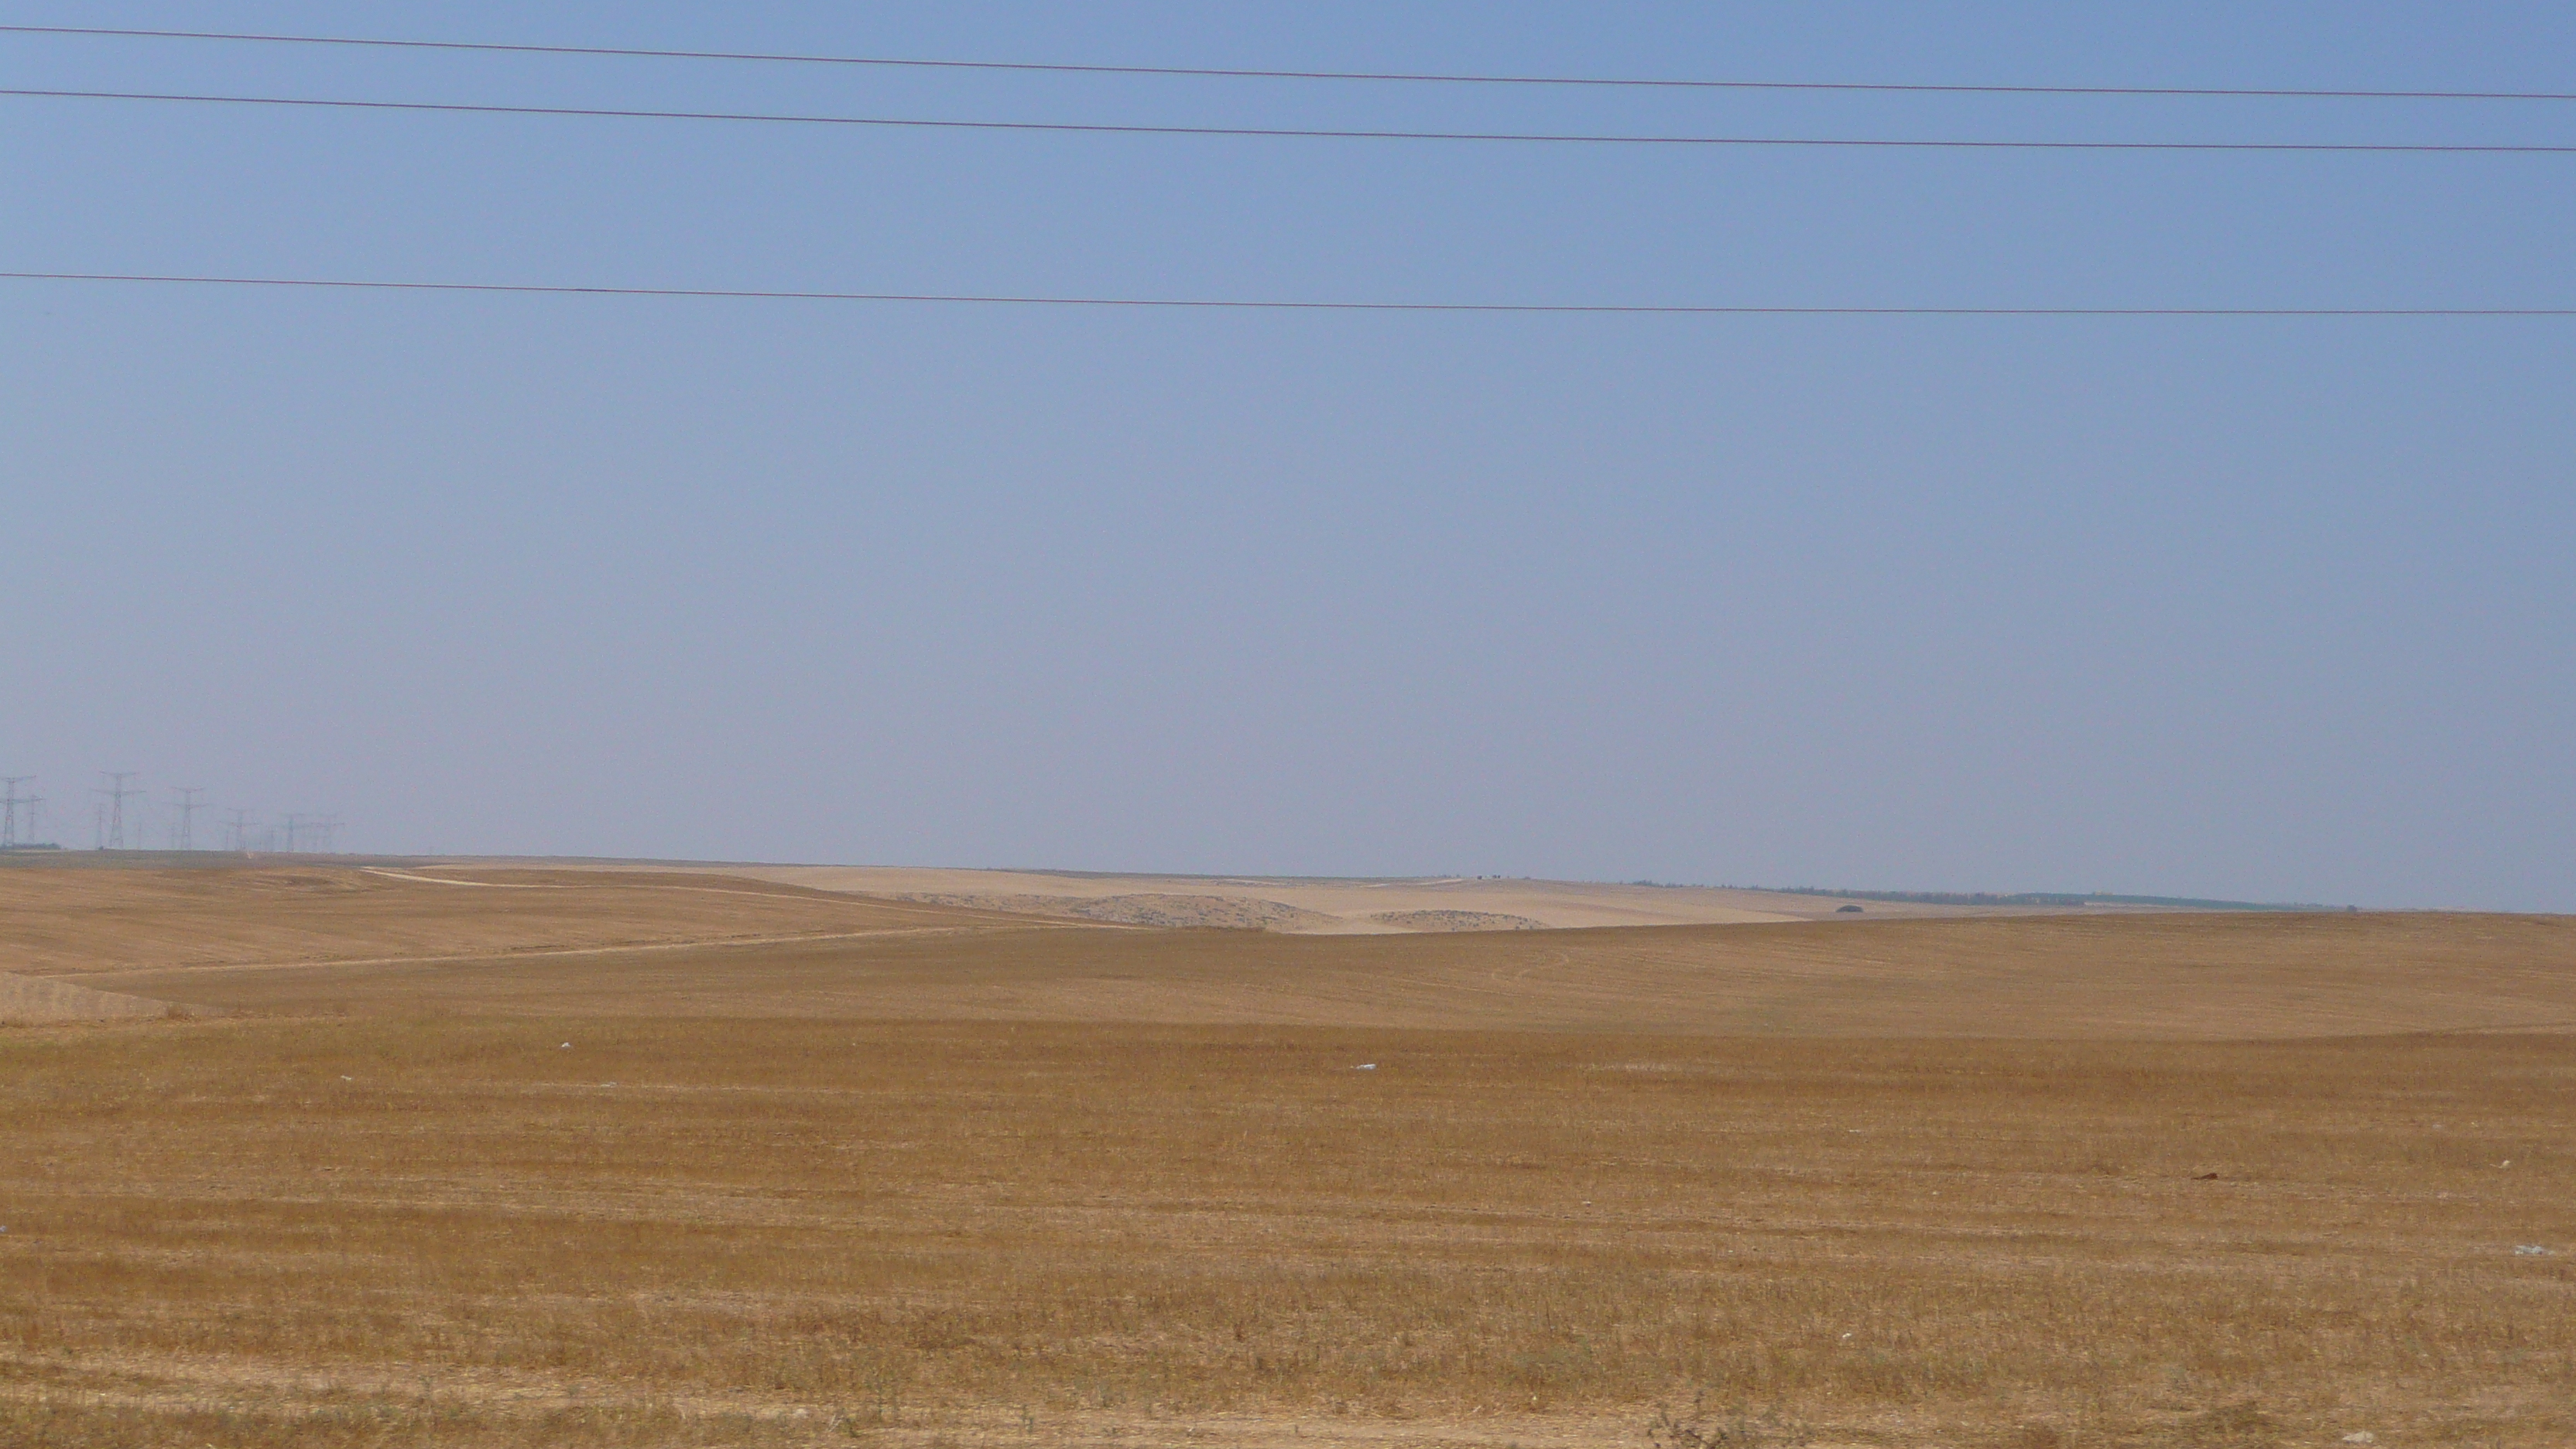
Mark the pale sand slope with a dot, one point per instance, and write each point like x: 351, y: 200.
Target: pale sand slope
x: 1305, y: 906
x: 30, y: 1001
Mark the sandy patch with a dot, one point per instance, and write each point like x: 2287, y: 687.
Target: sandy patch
x: 33, y: 1001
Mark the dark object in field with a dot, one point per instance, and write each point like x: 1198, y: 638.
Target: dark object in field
x: 2206, y: 1177
x: 1847, y: 910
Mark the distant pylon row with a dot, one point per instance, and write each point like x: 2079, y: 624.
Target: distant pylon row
x: 114, y: 826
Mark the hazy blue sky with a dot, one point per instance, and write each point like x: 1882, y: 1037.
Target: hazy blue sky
x: 2275, y: 609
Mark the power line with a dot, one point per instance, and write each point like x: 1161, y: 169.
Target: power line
x: 112, y: 825
x: 10, y: 800
x: 185, y: 836
x: 1263, y: 305
x: 1239, y: 73
x: 1302, y: 133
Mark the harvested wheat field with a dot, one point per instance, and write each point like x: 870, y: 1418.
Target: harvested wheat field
x: 954, y: 1178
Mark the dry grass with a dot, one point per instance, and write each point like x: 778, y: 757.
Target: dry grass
x: 1157, y: 1228
x: 748, y: 1207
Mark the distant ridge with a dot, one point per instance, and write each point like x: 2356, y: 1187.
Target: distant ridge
x: 2059, y: 898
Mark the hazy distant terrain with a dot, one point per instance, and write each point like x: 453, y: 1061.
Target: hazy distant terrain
x: 1307, y: 906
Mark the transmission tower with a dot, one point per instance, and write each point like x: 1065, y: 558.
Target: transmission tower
x: 185, y: 836
x: 237, y: 831
x: 112, y: 831
x: 294, y: 825
x: 10, y: 800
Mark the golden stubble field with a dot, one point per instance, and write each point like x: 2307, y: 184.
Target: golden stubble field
x: 738, y: 1208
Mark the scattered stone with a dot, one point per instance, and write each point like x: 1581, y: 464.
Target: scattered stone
x: 2364, y: 1437
x: 2530, y: 1250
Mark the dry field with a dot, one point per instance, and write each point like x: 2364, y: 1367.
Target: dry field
x: 2176, y: 977
x: 951, y: 1179
x: 70, y: 920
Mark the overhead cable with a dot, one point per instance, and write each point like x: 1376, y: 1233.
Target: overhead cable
x: 1240, y: 73
x: 1310, y: 133
x: 1265, y: 305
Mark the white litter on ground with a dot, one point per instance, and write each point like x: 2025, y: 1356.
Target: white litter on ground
x: 1365, y: 1067
x: 2530, y: 1250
